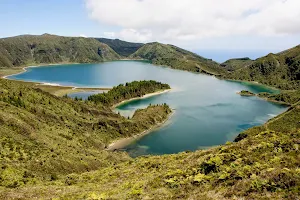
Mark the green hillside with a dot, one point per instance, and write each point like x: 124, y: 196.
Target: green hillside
x: 123, y: 48
x: 45, y: 49
x: 177, y: 58
x: 43, y: 136
x: 52, y: 147
x: 280, y: 70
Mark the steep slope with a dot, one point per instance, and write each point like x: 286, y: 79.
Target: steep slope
x: 280, y: 70
x: 123, y: 48
x: 30, y: 49
x: 43, y: 136
x: 177, y: 58
x: 263, y: 163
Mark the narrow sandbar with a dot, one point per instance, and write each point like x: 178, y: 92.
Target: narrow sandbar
x: 143, y: 97
x: 121, y: 143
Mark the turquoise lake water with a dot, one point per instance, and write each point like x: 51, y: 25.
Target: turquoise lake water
x: 208, y: 111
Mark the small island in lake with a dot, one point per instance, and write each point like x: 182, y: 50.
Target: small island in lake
x: 246, y: 93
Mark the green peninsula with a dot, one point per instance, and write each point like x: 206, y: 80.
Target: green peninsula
x: 128, y: 91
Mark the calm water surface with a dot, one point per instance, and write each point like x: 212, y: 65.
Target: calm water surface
x: 208, y: 111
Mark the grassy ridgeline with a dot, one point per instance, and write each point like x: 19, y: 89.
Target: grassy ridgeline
x: 177, y: 58
x: 278, y: 70
x: 128, y: 91
x: 43, y: 137
x: 27, y: 50
x: 123, y: 48
x: 46, y: 49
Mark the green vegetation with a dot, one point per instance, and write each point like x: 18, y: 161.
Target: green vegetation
x: 128, y: 91
x: 176, y: 58
x: 263, y: 163
x: 50, y: 49
x: 44, y: 137
x: 237, y: 63
x: 278, y: 70
x: 9, y: 71
x: 287, y: 97
x: 53, y: 147
x: 46, y: 49
x: 123, y: 48
x: 246, y: 93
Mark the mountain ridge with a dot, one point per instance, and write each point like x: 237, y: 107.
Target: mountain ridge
x: 177, y: 58
x: 123, y: 48
x: 281, y: 70
x: 29, y: 50
x: 50, y: 49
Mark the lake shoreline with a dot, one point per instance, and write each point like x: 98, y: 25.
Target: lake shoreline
x: 56, y: 88
x: 23, y: 68
x: 128, y: 59
x: 250, y: 94
x: 126, y: 141
x: 252, y: 82
x: 123, y: 142
x: 142, y: 97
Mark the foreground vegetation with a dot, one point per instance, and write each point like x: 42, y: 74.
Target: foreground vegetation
x: 128, y: 91
x: 43, y: 137
x: 52, y: 147
x: 262, y: 163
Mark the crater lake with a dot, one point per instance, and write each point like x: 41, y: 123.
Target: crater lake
x: 207, y: 111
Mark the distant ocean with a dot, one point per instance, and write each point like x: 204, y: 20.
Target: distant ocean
x: 223, y: 55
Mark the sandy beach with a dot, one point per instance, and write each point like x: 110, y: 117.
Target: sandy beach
x: 121, y: 143
x: 143, y: 97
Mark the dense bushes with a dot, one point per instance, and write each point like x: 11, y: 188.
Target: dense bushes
x: 128, y: 91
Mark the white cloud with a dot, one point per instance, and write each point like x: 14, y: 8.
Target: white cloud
x: 180, y: 20
x: 82, y: 35
x: 134, y: 35
x: 110, y: 35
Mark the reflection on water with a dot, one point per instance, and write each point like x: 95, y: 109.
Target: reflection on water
x: 208, y: 110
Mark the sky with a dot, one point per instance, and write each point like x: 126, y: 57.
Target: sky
x: 217, y: 29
